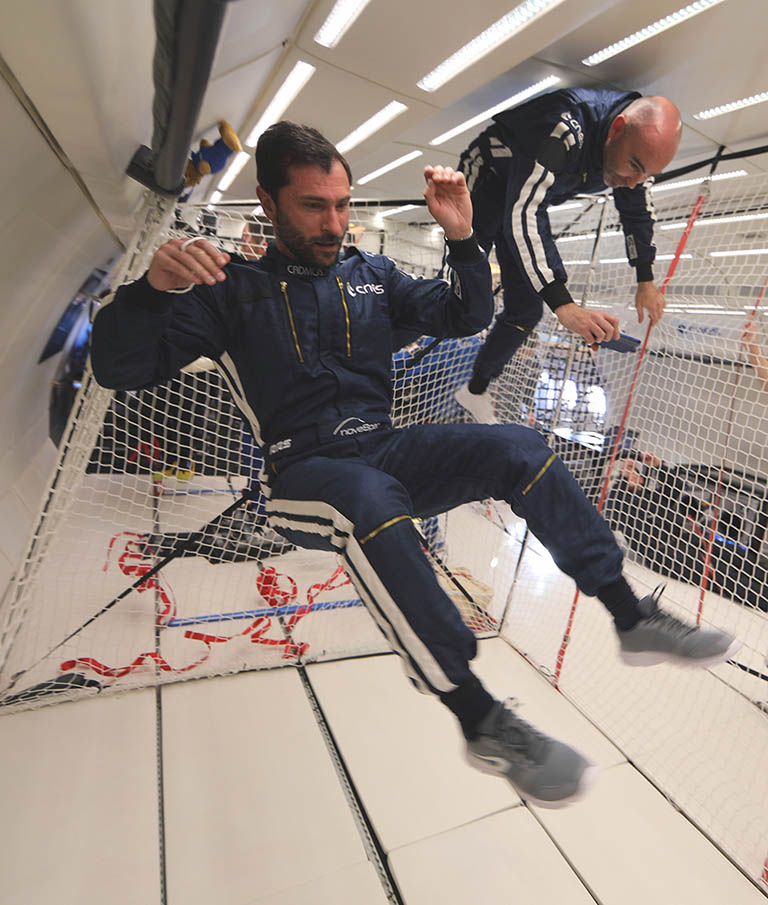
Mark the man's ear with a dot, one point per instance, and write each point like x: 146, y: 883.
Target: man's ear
x: 617, y: 127
x: 266, y: 202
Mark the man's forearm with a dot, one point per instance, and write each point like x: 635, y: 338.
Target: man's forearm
x: 473, y: 306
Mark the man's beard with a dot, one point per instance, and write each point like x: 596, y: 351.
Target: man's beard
x: 304, y: 248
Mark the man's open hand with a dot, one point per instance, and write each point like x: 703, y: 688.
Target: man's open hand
x: 448, y: 201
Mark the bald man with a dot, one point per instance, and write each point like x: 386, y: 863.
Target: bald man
x: 544, y: 153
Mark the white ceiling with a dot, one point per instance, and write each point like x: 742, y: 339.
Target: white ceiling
x: 86, y: 66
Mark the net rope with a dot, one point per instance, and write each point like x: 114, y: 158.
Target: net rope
x: 668, y: 440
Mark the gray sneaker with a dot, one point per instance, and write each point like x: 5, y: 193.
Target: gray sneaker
x: 541, y: 769
x: 661, y: 638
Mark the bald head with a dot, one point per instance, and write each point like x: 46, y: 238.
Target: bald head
x: 641, y: 142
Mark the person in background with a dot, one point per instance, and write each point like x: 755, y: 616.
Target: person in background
x: 543, y: 153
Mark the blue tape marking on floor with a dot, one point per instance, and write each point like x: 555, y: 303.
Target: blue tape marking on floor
x: 269, y: 611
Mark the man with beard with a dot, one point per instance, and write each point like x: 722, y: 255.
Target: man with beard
x: 304, y: 341
x: 543, y: 153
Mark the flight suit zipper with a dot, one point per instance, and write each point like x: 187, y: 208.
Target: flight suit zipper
x: 346, y: 313
x: 284, y: 288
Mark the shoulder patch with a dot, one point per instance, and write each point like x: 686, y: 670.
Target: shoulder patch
x: 566, y: 135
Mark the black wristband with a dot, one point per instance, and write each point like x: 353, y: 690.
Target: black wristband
x: 465, y: 250
x: 644, y: 271
x: 556, y: 294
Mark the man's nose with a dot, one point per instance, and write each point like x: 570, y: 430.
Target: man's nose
x: 332, y: 222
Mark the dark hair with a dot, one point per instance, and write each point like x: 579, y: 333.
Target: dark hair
x: 287, y: 144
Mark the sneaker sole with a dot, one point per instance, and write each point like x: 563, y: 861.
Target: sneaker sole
x: 477, y: 418
x: 586, y: 781
x: 653, y: 658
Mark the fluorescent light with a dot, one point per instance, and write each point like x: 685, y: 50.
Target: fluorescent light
x: 398, y: 210
x: 485, y: 42
x: 605, y: 234
x: 734, y: 105
x: 376, y: 122
x: 624, y: 259
x: 492, y: 111
x: 215, y: 198
x: 707, y: 221
x: 666, y: 186
x: 297, y: 79
x: 233, y: 171
x: 650, y: 31
x: 576, y: 238
x: 390, y: 166
x: 737, y: 252
x: 564, y: 207
x: 340, y: 18
x: 571, y: 263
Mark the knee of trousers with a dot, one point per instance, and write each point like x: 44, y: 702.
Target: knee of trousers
x: 419, y: 619
x: 515, y: 444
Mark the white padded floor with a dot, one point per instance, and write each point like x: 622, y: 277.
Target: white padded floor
x: 255, y: 813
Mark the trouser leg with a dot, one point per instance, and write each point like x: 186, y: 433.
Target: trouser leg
x: 444, y: 465
x: 522, y: 311
x: 365, y: 515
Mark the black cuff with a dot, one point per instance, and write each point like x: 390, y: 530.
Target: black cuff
x: 465, y: 251
x: 644, y: 271
x: 471, y: 703
x: 142, y: 295
x: 556, y: 295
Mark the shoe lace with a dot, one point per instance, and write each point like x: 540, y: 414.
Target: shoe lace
x: 520, y: 735
x: 666, y: 620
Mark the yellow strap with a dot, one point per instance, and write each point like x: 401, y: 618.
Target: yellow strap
x: 546, y: 465
x: 375, y: 531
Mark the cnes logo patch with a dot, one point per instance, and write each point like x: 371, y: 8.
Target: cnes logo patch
x: 365, y: 289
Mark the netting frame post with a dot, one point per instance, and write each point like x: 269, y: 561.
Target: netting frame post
x: 82, y: 428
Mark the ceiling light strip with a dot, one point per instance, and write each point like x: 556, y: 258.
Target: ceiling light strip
x: 398, y: 210
x: 568, y: 205
x: 666, y: 186
x: 233, y: 170
x: 484, y: 43
x: 406, y: 158
x: 605, y: 235
x: 297, y: 78
x: 492, y: 111
x: 650, y: 31
x: 708, y: 221
x: 736, y: 252
x: 376, y: 122
x: 733, y: 105
x: 339, y: 19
